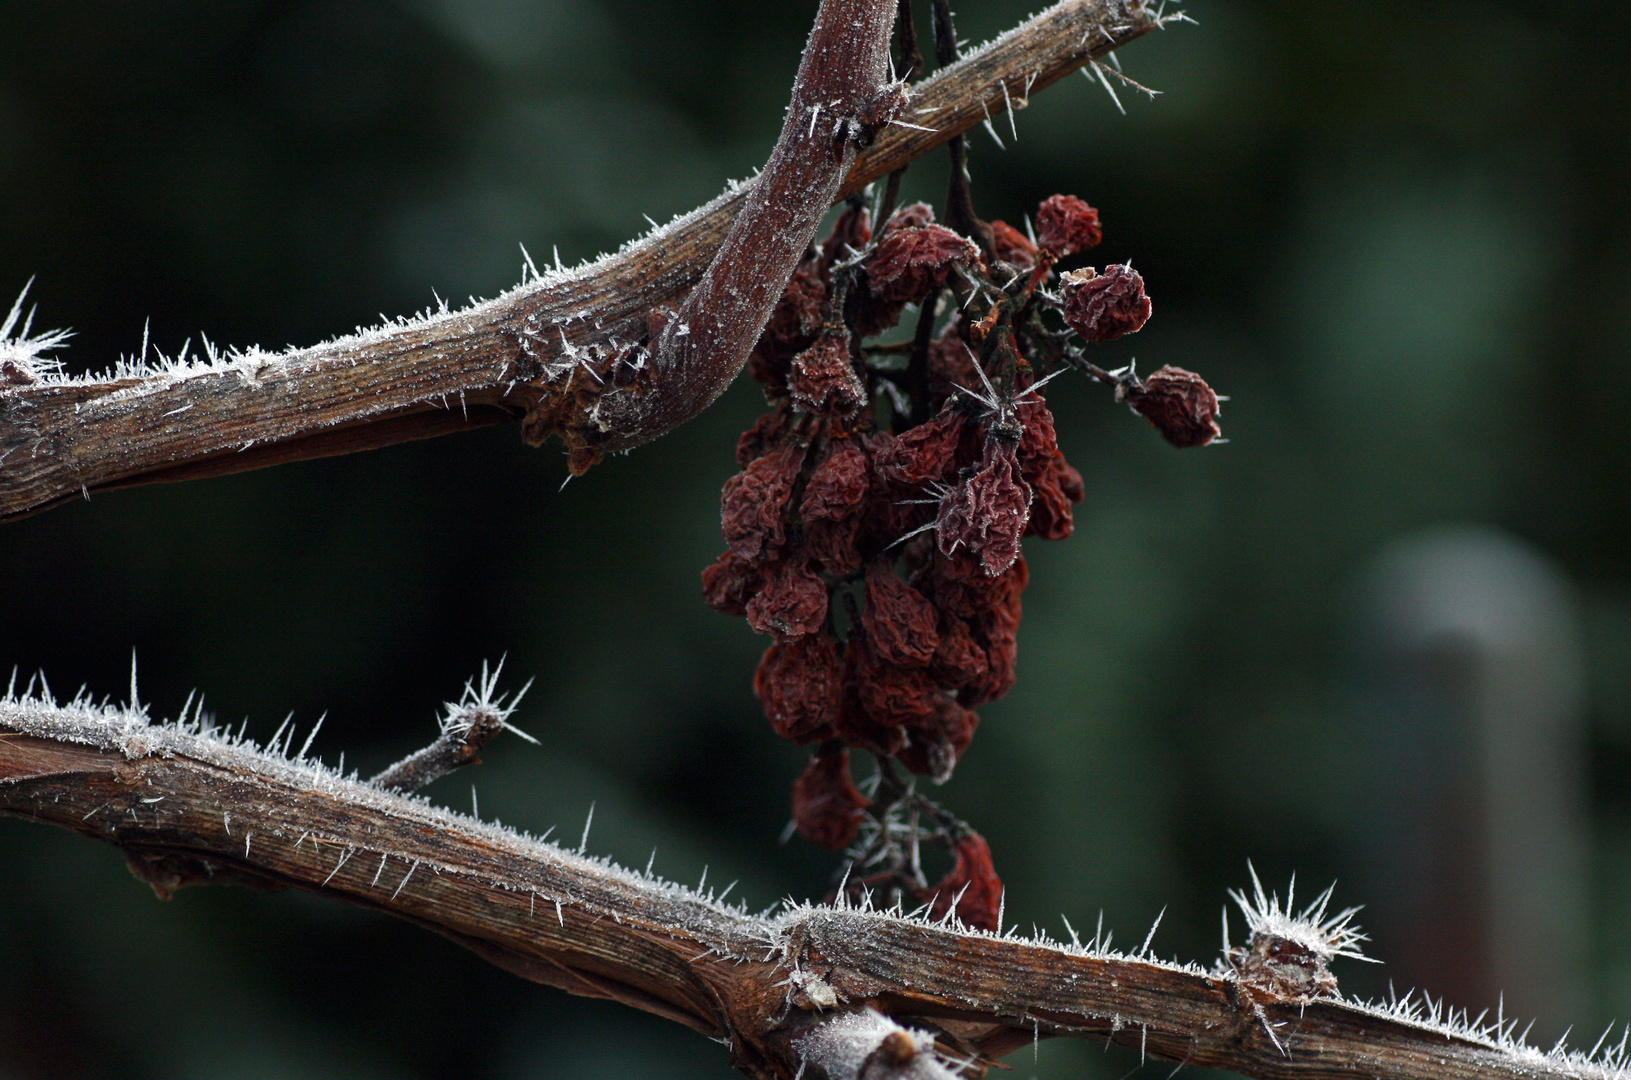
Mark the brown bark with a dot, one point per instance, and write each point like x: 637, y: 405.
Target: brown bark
x: 188, y: 807
x: 519, y: 353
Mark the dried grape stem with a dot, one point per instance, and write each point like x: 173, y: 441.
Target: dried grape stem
x: 186, y: 806
x: 491, y: 363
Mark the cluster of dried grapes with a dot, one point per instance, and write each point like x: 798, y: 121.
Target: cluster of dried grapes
x: 874, y: 530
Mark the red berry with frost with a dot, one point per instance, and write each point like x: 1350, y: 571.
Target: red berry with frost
x: 987, y: 513
x: 1103, y: 307
x: 823, y: 381
x: 1179, y: 403
x: 938, y: 741
x: 838, y: 485
x: 924, y: 454
x: 908, y: 263
x: 1012, y: 246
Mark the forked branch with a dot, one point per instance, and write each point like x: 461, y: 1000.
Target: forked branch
x: 832, y: 992
x: 563, y: 350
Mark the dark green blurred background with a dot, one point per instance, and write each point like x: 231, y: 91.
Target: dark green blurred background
x: 1383, y: 635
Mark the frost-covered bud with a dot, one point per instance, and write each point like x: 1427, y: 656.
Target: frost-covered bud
x: 1287, y: 957
x: 972, y: 885
x: 823, y: 381
x: 1066, y: 225
x: 899, y: 620
x: 753, y: 504
x: 1179, y: 403
x: 1012, y: 246
x: 730, y: 583
x: 988, y: 512
x: 792, y: 603
x: 800, y: 684
x: 1103, y: 307
x: 16, y: 373
x: 827, y: 808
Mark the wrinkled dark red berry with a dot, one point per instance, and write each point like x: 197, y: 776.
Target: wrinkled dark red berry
x: 951, y: 364
x: 823, y: 381
x: 827, y: 808
x: 1012, y: 246
x: 855, y: 723
x: 907, y: 263
x: 891, y: 696
x: 1103, y: 307
x: 729, y: 583
x: 899, y: 620
x: 792, y: 603
x: 958, y: 659
x: 1180, y: 405
x: 1038, y: 445
x: 837, y: 485
x: 754, y: 502
x: 971, y: 885
x: 988, y: 512
x: 800, y: 684
x: 1051, y: 518
x: 963, y: 588
x: 997, y: 628
x: 1066, y: 225
x: 922, y: 455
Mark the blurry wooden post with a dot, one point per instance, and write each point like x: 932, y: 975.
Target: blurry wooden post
x: 1469, y: 768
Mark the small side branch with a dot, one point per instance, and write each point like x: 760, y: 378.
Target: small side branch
x: 837, y: 992
x: 544, y: 350
x: 466, y: 726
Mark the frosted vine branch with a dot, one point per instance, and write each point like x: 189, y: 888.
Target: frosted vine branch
x: 548, y: 351
x: 841, y: 993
